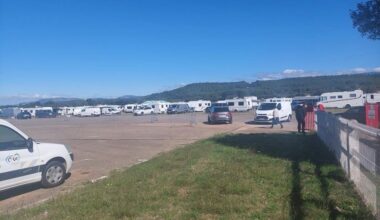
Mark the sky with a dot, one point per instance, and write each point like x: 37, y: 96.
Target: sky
x: 90, y: 48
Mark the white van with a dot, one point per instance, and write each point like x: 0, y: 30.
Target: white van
x: 90, y: 111
x: 372, y: 97
x: 24, y: 161
x: 346, y: 99
x: 264, y: 112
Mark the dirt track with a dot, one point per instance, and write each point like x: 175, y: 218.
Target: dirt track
x: 106, y: 143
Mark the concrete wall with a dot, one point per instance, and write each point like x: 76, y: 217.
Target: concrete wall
x: 357, y: 148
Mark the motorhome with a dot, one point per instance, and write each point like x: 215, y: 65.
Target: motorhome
x: 346, y: 99
x: 78, y: 110
x: 372, y: 97
x: 264, y: 112
x: 239, y: 104
x: 284, y: 99
x: 90, y: 111
x: 200, y: 105
x: 254, y: 101
x: 130, y: 108
x: 159, y: 107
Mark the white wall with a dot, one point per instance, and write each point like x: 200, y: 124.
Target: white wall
x: 357, y: 148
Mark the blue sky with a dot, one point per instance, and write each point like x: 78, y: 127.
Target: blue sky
x: 112, y: 48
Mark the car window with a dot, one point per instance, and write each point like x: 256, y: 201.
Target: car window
x: 10, y: 140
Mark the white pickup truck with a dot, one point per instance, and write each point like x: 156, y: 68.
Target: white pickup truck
x: 24, y: 161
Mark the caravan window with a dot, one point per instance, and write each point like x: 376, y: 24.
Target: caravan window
x: 231, y: 104
x: 323, y: 98
x: 333, y: 97
x: 353, y: 95
x: 372, y: 96
x: 200, y: 104
x: 241, y: 103
x: 340, y: 97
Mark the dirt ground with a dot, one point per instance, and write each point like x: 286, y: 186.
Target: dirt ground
x: 106, y: 143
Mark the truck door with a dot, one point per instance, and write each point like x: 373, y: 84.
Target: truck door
x: 18, y: 164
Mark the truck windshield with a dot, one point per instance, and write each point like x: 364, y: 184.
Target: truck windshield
x: 267, y: 106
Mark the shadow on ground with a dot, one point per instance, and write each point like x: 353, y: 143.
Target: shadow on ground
x: 298, y: 148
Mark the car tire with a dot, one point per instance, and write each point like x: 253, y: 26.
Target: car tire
x: 53, y: 174
x: 348, y: 106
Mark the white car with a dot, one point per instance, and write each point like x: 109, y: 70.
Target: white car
x: 24, y: 161
x: 144, y: 110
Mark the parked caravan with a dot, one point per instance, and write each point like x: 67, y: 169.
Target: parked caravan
x: 199, y: 106
x: 254, y: 101
x: 239, y: 104
x: 130, y: 108
x: 346, y: 99
x: 90, y: 111
x: 77, y: 111
x: 159, y: 107
x: 284, y: 99
x: 264, y: 112
x: 372, y: 98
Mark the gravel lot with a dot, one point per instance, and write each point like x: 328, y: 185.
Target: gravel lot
x: 106, y: 143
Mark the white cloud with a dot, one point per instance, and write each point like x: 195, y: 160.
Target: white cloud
x: 376, y: 69
x: 359, y: 70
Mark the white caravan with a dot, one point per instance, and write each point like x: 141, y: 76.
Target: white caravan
x: 90, y: 111
x: 130, y: 108
x: 346, y: 99
x: 24, y: 161
x: 254, y: 101
x: 199, y: 106
x: 239, y: 104
x: 78, y: 110
x: 284, y: 99
x: 109, y: 111
x: 264, y: 112
x: 372, y: 97
x: 32, y: 111
x: 159, y: 107
x: 144, y: 110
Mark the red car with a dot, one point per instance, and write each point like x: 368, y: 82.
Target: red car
x: 219, y: 115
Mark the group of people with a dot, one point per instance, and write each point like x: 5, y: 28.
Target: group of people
x: 301, y: 112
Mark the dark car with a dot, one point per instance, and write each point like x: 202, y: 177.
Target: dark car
x: 178, y: 108
x: 219, y: 115
x: 24, y: 115
x: 216, y: 104
x: 45, y: 114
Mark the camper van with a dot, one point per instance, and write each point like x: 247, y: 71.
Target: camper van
x: 130, y: 108
x: 240, y: 104
x: 264, y: 112
x: 199, y: 106
x: 109, y: 110
x: 372, y: 97
x: 144, y: 110
x: 90, y: 111
x: 346, y: 99
x: 159, y: 107
x: 77, y: 110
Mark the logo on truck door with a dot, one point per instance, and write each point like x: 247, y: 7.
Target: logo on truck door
x: 11, y: 159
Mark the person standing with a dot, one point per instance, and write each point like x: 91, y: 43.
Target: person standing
x: 300, y: 116
x: 276, y: 118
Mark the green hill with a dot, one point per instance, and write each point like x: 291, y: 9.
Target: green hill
x: 289, y: 87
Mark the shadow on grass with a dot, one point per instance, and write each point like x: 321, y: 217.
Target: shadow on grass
x: 296, y: 148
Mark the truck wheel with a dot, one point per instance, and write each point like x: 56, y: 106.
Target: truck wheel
x: 54, y: 174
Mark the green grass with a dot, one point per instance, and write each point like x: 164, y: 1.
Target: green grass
x: 244, y: 176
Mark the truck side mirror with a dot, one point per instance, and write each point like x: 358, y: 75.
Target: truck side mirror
x: 29, y: 144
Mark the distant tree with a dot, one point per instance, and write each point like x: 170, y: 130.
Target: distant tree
x: 366, y: 18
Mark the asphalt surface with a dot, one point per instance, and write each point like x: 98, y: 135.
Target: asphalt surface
x: 103, y: 144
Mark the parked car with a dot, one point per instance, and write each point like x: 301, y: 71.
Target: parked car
x: 24, y: 115
x: 216, y: 104
x: 45, y: 114
x: 219, y: 114
x: 144, y: 110
x: 178, y: 108
x: 24, y: 161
